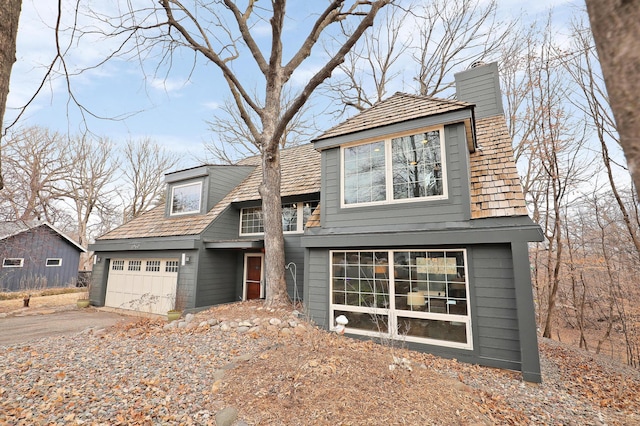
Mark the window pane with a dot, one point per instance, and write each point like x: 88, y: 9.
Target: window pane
x: 417, y: 166
x: 365, y: 321
x: 251, y: 221
x: 360, y: 279
x: 171, y: 266
x: 364, y: 173
x: 186, y: 198
x: 153, y: 266
x: 290, y: 217
x: 134, y: 265
x: 450, y: 331
x: 14, y: 262
x: 117, y: 265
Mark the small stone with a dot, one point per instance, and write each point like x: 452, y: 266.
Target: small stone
x: 254, y: 330
x: 233, y: 324
x: 226, y: 416
x: 225, y: 327
x: 286, y: 332
x: 256, y: 321
x: 189, y: 317
x: 203, y: 324
x: 296, y: 314
x: 213, y: 321
x: 191, y: 325
x: 242, y: 329
x: 293, y: 324
x: 275, y: 321
x: 170, y: 325
x: 182, y: 324
x: 245, y: 324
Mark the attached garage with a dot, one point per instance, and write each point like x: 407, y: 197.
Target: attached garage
x: 146, y: 285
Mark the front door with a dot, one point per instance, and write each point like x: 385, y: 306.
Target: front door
x: 253, y: 276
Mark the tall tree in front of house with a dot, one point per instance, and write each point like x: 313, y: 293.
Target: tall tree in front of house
x: 225, y: 32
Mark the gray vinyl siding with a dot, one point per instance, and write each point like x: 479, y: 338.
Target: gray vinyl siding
x: 481, y: 86
x: 217, y: 278
x: 495, y: 314
x: 35, y: 246
x: 222, y: 179
x: 225, y: 227
x: 316, y: 286
x: 294, y: 253
x: 455, y: 208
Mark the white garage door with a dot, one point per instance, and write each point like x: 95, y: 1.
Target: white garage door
x: 146, y: 285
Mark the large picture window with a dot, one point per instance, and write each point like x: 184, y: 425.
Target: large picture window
x: 394, y: 170
x: 185, y: 199
x: 417, y: 295
x: 294, y: 218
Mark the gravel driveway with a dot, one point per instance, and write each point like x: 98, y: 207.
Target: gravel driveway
x: 28, y: 328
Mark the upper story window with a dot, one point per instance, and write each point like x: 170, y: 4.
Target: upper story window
x: 186, y: 199
x: 294, y: 218
x: 394, y: 170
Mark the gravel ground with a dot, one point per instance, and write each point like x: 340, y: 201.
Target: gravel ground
x: 145, y: 373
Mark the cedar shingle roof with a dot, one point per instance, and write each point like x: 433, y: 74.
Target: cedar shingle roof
x: 495, y: 185
x: 300, y: 175
x: 398, y: 108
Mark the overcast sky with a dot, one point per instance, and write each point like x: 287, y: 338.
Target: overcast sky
x: 173, y: 111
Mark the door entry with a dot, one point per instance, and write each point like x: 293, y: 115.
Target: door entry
x: 253, y: 276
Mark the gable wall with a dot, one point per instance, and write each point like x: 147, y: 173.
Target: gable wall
x: 35, y: 246
x: 455, y: 208
x: 222, y: 179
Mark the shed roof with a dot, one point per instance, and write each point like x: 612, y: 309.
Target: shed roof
x: 12, y: 228
x: 395, y: 109
x: 300, y: 168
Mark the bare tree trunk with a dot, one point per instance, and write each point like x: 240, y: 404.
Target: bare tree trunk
x: 9, y: 18
x: 616, y: 29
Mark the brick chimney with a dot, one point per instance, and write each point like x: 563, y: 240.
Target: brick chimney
x: 480, y: 85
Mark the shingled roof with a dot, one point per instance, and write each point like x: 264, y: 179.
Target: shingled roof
x: 396, y: 109
x: 300, y: 175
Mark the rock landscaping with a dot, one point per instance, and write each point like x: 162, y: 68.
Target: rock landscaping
x: 242, y: 364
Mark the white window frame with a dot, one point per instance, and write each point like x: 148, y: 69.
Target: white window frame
x: 173, y: 189
x: 388, y: 160
x: 393, y: 314
x: 299, y: 218
x: 172, y: 266
x: 20, y: 265
x: 59, y: 259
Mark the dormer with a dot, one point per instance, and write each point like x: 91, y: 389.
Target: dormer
x: 196, y: 190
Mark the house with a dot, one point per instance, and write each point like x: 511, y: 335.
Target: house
x: 408, y: 219
x: 423, y: 228
x: 206, y: 246
x: 35, y: 256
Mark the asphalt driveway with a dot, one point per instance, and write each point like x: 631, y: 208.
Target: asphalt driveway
x: 23, y: 329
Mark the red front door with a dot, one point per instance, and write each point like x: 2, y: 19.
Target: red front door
x: 253, y: 276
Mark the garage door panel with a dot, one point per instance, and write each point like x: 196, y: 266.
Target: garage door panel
x: 145, y: 291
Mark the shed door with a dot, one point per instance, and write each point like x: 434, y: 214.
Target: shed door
x: 253, y: 276
x: 146, y: 285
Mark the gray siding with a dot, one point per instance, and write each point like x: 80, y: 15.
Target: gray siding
x: 481, y: 86
x: 495, y: 314
x: 225, y: 227
x: 35, y: 246
x: 316, y: 286
x: 378, y: 217
x: 217, y: 278
x: 294, y: 253
x: 222, y: 179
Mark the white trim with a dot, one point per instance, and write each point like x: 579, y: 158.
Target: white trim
x: 173, y: 188
x: 21, y: 259
x: 244, y: 274
x: 393, y: 314
x: 299, y: 219
x: 389, y: 171
x: 59, y: 259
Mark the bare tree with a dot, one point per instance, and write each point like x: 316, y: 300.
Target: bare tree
x: 143, y: 167
x: 222, y: 31
x: 453, y: 34
x: 89, y: 186
x: 235, y: 140
x: 616, y: 29
x: 36, y: 164
x: 9, y: 18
